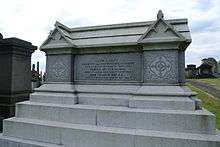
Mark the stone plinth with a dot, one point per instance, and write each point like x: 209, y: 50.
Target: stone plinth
x: 15, y: 73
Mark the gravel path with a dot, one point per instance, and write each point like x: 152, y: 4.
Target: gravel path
x: 206, y: 87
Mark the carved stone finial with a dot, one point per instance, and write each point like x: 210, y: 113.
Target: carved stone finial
x: 160, y: 15
x: 1, y: 36
x: 51, y: 31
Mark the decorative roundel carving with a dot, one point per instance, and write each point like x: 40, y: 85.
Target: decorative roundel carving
x: 160, y: 66
x: 59, y: 69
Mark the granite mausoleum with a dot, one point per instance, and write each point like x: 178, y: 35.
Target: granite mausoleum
x: 118, y: 85
x: 15, y: 74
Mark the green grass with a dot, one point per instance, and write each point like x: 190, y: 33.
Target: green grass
x: 215, y: 82
x: 209, y: 102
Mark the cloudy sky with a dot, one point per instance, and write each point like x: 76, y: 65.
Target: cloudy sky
x: 32, y: 20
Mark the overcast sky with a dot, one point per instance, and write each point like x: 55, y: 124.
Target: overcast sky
x: 32, y: 20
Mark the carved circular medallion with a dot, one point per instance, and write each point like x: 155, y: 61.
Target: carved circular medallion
x: 160, y: 66
x: 59, y: 69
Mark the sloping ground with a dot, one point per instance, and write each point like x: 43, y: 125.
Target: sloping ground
x: 209, y: 102
x: 214, y: 82
x: 209, y: 85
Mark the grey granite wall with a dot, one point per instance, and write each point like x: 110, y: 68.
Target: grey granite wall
x: 161, y: 66
x: 21, y: 73
x: 152, y: 66
x: 5, y: 76
x: 59, y: 68
x: 15, y: 73
x: 121, y: 67
x: 181, y: 61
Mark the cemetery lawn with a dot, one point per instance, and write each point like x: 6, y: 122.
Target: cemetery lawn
x: 215, y: 82
x: 209, y: 102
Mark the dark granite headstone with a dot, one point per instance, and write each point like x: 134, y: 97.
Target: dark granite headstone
x: 15, y: 73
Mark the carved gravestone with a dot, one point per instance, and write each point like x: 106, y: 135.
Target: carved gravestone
x: 118, y: 85
x: 15, y: 73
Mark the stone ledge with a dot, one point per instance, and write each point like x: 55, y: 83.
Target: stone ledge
x: 93, y: 136
x: 117, y: 89
x: 18, y: 142
x: 121, y: 117
x: 50, y: 97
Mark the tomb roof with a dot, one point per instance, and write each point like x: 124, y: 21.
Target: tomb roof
x: 122, y: 34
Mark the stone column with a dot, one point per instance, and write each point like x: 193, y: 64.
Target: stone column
x: 15, y: 73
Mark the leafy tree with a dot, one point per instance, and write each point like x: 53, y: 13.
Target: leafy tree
x: 211, y: 61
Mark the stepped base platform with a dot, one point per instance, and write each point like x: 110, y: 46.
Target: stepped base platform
x: 123, y: 117
x: 60, y: 115
x: 165, y: 97
x: 77, y: 135
x: 18, y: 142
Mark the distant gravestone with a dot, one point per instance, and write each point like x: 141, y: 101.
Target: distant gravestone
x: 15, y: 73
x: 1, y: 36
x: 120, y: 85
x: 191, y: 71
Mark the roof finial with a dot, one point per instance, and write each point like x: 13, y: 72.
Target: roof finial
x: 160, y: 15
x: 1, y: 36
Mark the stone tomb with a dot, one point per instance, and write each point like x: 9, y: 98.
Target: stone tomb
x: 15, y: 74
x: 118, y: 85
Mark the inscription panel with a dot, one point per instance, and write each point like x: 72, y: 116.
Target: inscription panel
x: 123, y: 67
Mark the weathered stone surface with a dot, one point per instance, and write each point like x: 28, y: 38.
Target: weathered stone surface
x: 15, y: 73
x: 123, y: 67
x: 162, y: 102
x: 148, y: 119
x: 93, y: 136
x: 50, y: 97
x: 114, y: 85
x: 129, y: 53
x: 160, y: 66
x: 59, y: 68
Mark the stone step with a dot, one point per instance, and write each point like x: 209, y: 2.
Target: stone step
x: 200, y: 121
x: 148, y: 102
x: 18, y: 142
x: 77, y: 135
x: 162, y: 102
x: 104, y: 99
x: 149, y: 97
x: 52, y: 97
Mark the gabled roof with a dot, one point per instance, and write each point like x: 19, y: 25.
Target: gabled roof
x: 117, y: 34
x: 161, y: 31
x: 59, y: 37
